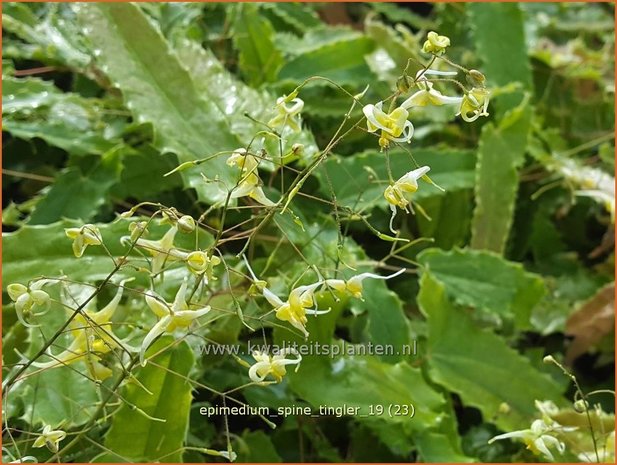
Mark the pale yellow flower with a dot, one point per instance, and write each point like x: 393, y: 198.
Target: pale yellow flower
x: 474, y: 104
x: 28, y: 298
x: 393, y: 126
x: 171, y: 316
x: 288, y: 113
x: 435, y: 44
x: 86, y: 235
x: 353, y: 285
x: 272, y: 365
x: 50, y: 438
x: 93, y: 337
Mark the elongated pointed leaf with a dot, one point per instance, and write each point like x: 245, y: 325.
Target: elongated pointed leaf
x: 159, y: 90
x: 139, y: 438
x: 478, y: 365
x: 487, y: 282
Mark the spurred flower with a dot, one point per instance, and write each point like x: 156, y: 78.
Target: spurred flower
x: 86, y: 235
x: 393, y: 126
x: 273, y: 365
x: 171, y: 316
x: 435, y: 43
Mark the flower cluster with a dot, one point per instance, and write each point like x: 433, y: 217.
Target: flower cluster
x: 92, y: 337
x: 300, y: 299
x: 540, y: 438
x: 394, y: 125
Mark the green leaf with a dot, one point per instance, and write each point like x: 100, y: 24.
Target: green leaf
x: 130, y: 51
x: 504, y: 55
x: 436, y: 447
x: 341, y: 61
x: 502, y: 49
x: 78, y: 195
x: 139, y: 438
x: 396, y: 13
x: 387, y: 324
x: 298, y: 15
x: 256, y: 447
x: 71, y: 139
x: 501, y: 152
x: 359, y: 181
x: 35, y: 251
x: 484, y: 371
x: 33, y: 108
x: 315, y: 39
x: 399, y: 44
x: 143, y: 165
x: 253, y: 37
x: 486, y: 282
x: 59, y: 396
x: 26, y: 94
x: 450, y: 218
x: 54, y: 38
x: 362, y: 381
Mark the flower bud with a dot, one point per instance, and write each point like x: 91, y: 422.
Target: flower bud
x: 549, y: 359
x: 581, y: 405
x: 404, y: 83
x: 504, y: 408
x: 476, y: 78
x: 138, y: 229
x: 297, y: 149
x: 186, y: 224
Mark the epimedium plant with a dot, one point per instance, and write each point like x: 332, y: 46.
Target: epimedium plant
x: 255, y: 213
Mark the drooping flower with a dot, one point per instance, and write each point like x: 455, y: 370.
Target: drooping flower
x: 186, y: 224
x: 297, y: 306
x: 50, y: 438
x: 138, y: 229
x: 171, y: 316
x: 93, y: 337
x: 28, y: 298
x: 200, y: 262
x: 227, y: 455
x: 245, y: 161
x: 288, y: 110
x: 353, y: 285
x: 273, y: 365
x: 249, y: 184
x: 86, y: 235
x: 162, y: 250
x: 588, y: 182
x: 539, y: 438
x: 427, y: 95
x: 474, y: 104
x: 397, y: 194
x: 393, y: 126
x: 435, y: 44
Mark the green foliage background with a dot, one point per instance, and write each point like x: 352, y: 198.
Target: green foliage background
x: 101, y: 100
